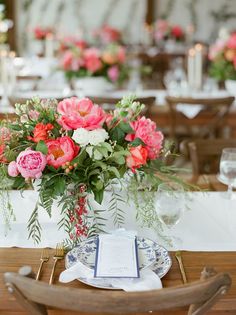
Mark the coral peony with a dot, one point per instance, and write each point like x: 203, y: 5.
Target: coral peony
x: 92, y: 60
x: 41, y: 132
x: 29, y: 163
x: 145, y: 129
x: 80, y: 113
x: 60, y: 151
x: 137, y: 158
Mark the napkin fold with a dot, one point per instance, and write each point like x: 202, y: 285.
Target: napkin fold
x: 190, y: 111
x: 148, y: 280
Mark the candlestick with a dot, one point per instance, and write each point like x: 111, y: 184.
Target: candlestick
x: 12, y: 72
x: 198, y: 66
x: 4, y: 79
x: 191, y: 68
x: 49, y: 46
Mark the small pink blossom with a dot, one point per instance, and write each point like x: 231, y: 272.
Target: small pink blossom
x: 5, y: 134
x: 33, y: 114
x: 113, y: 73
x: 80, y: 113
x: 13, y: 169
x: 30, y: 164
x: 145, y: 129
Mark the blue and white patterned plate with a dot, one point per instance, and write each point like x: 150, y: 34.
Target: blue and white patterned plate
x: 150, y: 255
x: 85, y: 253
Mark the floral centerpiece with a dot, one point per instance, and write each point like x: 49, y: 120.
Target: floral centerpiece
x: 164, y: 31
x: 109, y: 62
x: 107, y: 35
x: 41, y: 33
x: 222, y: 55
x: 74, y: 148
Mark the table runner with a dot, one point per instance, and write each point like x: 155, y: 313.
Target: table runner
x: 208, y: 224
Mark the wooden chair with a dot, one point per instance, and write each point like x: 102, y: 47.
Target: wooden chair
x: 205, y: 154
x: 35, y: 296
x: 108, y: 103
x: 214, y: 111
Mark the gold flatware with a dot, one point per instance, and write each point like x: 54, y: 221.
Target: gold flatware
x: 59, y: 254
x: 44, y: 258
x: 178, y: 256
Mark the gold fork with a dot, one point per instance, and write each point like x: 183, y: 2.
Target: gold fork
x: 59, y: 254
x: 44, y: 258
x: 181, y: 266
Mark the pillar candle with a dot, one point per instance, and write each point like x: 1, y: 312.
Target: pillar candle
x: 49, y: 46
x: 191, y: 68
x: 198, y: 66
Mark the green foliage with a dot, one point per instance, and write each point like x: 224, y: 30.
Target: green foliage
x: 222, y: 70
x: 41, y: 146
x: 34, y: 226
x: 115, y: 204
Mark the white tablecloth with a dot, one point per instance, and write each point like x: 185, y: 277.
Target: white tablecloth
x: 209, y: 223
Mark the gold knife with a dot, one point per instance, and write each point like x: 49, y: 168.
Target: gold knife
x: 181, y: 266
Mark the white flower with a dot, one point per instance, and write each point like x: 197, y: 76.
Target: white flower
x: 97, y: 136
x: 81, y: 136
x: 84, y: 137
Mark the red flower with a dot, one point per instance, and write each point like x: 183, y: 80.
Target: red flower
x: 41, y: 132
x: 177, y: 32
x: 60, y: 151
x: 137, y: 158
x: 2, y: 157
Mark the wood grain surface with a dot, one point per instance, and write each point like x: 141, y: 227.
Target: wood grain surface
x: 11, y: 259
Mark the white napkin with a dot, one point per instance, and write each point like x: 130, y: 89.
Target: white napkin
x: 190, y: 111
x: 148, y: 279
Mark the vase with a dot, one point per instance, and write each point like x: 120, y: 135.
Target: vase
x: 92, y: 85
x: 231, y: 87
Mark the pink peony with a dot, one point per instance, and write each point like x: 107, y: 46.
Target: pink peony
x: 92, y: 60
x: 13, y: 169
x: 71, y: 62
x: 231, y: 43
x: 145, y: 129
x: 80, y: 113
x: 113, y: 73
x: 29, y: 164
x: 60, y: 151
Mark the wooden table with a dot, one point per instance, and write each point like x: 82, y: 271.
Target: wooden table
x: 11, y: 259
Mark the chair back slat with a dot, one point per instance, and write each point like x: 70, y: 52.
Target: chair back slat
x: 205, y: 154
x: 215, y: 109
x: 93, y: 301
